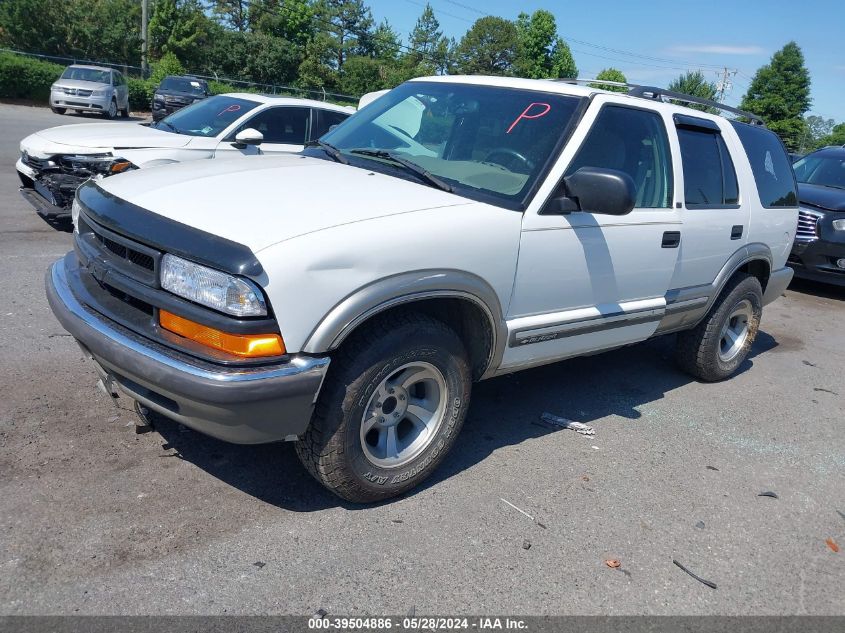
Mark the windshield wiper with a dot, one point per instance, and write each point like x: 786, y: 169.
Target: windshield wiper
x: 171, y: 126
x: 423, y: 173
x: 329, y: 149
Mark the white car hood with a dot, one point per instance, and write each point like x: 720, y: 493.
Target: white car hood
x: 93, y: 137
x: 260, y: 201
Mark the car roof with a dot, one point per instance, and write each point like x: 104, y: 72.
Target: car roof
x: 90, y: 67
x: 191, y: 77
x: 291, y: 101
x: 564, y: 88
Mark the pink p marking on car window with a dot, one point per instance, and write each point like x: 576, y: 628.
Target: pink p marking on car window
x: 526, y: 114
x: 232, y: 108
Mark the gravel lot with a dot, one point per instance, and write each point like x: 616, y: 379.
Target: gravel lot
x: 98, y: 520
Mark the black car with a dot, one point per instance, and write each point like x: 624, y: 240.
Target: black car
x: 175, y: 92
x: 819, y: 249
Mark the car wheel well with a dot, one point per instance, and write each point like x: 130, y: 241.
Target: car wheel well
x: 466, y: 317
x: 759, y: 268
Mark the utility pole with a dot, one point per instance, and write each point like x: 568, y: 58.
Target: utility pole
x: 144, y: 15
x: 724, y: 85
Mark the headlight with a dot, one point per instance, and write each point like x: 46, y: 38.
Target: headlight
x: 211, y: 288
x: 100, y: 92
x: 839, y: 225
x: 74, y: 214
x: 158, y: 97
x: 105, y: 164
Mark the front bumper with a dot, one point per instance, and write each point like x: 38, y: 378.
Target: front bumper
x: 36, y: 195
x: 817, y: 259
x: 244, y: 405
x: 83, y: 104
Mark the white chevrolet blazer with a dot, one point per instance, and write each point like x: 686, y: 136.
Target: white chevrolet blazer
x: 456, y: 229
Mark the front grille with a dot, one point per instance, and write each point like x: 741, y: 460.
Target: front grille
x: 807, y: 225
x: 124, y: 252
x: 39, y: 164
x: 135, y: 260
x: 78, y: 92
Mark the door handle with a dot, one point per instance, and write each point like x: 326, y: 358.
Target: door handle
x: 736, y: 232
x: 671, y: 239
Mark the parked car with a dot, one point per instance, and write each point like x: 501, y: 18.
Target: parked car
x: 90, y: 89
x: 819, y: 249
x: 174, y: 93
x: 54, y: 162
x: 458, y: 228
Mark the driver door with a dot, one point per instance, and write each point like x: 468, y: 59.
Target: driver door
x: 592, y: 281
x: 285, y: 129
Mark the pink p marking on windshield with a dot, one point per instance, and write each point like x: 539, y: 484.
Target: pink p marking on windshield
x: 232, y: 108
x: 526, y: 114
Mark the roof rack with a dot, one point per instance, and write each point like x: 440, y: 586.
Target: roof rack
x: 651, y: 92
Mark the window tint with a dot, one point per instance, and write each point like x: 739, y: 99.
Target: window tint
x: 770, y: 165
x: 709, y: 175
x: 208, y: 117
x: 633, y: 141
x: 280, y: 125
x: 826, y: 168
x: 325, y: 120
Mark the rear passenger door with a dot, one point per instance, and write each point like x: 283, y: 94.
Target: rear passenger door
x: 324, y: 120
x: 715, y: 212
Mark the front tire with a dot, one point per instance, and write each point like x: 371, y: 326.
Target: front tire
x: 392, y: 405
x: 58, y: 110
x: 111, y: 113
x: 717, y: 346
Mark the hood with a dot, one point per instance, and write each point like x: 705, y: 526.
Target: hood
x: 85, y: 137
x: 79, y: 84
x: 829, y: 198
x: 259, y: 201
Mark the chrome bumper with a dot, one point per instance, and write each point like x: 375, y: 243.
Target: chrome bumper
x: 244, y: 405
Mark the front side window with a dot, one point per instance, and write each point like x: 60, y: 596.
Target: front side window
x: 770, y: 164
x: 633, y: 141
x: 484, y: 142
x: 822, y: 168
x: 280, y: 125
x: 709, y: 175
x: 206, y: 118
x: 87, y: 74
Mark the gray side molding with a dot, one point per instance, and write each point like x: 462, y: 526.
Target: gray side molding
x: 403, y: 288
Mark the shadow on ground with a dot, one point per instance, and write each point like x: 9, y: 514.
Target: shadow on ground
x: 818, y: 289
x: 505, y: 412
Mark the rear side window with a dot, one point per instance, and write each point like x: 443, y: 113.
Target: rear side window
x: 709, y: 175
x: 633, y: 141
x: 770, y: 165
x: 326, y: 119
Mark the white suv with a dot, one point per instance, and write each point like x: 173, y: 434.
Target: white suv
x: 456, y: 229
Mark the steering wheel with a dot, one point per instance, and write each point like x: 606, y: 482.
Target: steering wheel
x: 509, y: 156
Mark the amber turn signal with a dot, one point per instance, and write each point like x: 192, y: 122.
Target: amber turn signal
x: 120, y: 166
x: 244, y: 345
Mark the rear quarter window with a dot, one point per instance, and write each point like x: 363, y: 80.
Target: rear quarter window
x: 770, y: 165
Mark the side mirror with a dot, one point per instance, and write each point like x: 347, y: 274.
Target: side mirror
x: 249, y: 136
x: 595, y: 190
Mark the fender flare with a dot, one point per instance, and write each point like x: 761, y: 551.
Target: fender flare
x: 403, y: 288
x: 754, y: 251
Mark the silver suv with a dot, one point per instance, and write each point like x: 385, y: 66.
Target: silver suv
x: 90, y: 89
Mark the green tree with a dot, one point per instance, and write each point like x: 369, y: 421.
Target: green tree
x: 232, y: 13
x: 488, y: 48
x: 611, y: 74
x: 169, y: 64
x: 180, y: 27
x: 693, y: 83
x: 348, y: 24
x: 563, y: 64
x: 816, y: 129
x: 47, y: 34
x: 292, y: 20
x: 836, y: 136
x: 385, y: 42
x: 780, y: 94
x: 429, y: 49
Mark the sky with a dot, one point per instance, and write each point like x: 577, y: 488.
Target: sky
x: 653, y: 41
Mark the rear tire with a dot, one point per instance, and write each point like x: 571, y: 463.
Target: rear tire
x: 58, y: 110
x: 717, y: 346
x: 124, y: 114
x: 392, y: 405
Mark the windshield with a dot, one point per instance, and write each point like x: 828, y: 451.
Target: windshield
x: 208, y: 117
x: 87, y: 74
x: 819, y: 169
x: 182, y: 84
x: 482, y: 141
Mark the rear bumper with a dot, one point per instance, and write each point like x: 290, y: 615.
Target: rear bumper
x: 775, y: 287
x: 244, y: 405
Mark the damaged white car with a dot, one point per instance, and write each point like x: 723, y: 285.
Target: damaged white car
x: 54, y: 162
